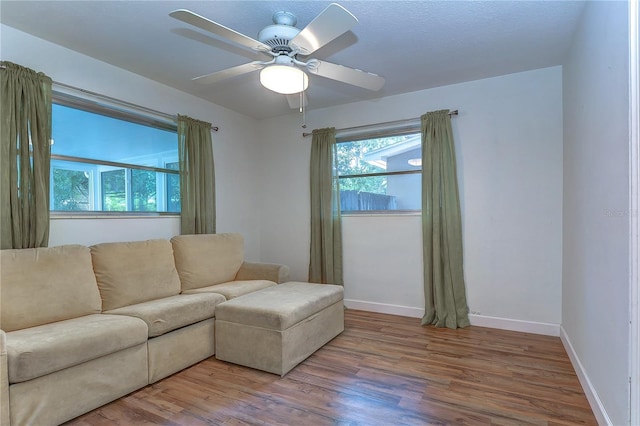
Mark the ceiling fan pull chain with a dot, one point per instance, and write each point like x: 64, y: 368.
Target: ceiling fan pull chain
x: 304, y: 118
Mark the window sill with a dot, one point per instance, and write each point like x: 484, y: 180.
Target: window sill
x: 382, y: 213
x: 112, y: 215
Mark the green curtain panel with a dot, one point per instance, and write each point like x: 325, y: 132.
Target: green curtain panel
x: 25, y: 155
x: 197, y: 177
x: 325, y: 263
x: 444, y: 287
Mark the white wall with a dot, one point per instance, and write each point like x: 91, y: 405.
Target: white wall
x: 595, y: 308
x: 236, y: 196
x: 509, y: 147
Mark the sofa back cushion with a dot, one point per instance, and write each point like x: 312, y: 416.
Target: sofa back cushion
x: 44, y: 285
x: 134, y: 272
x: 207, y: 259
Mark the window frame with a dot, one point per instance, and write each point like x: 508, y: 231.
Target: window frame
x: 379, y: 131
x: 117, y: 112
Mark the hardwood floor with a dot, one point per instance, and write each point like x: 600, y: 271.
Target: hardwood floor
x: 383, y: 370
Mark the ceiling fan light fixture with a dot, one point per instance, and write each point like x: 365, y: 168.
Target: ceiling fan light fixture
x: 285, y: 79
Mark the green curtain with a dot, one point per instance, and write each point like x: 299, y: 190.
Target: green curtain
x: 325, y: 262
x: 444, y: 287
x: 25, y: 155
x: 197, y: 177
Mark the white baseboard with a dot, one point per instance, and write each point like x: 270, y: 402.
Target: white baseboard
x: 544, y: 328
x: 589, y: 390
x: 383, y: 308
x: 479, y: 320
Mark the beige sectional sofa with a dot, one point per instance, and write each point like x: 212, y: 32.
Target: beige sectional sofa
x: 82, y: 326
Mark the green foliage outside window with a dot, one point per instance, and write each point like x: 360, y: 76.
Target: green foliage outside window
x: 114, y: 191
x: 143, y: 190
x: 173, y: 188
x: 71, y: 190
x: 351, y: 161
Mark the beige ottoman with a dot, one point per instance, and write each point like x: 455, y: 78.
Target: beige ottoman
x: 276, y: 328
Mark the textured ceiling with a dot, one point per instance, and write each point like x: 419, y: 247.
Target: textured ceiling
x: 412, y: 44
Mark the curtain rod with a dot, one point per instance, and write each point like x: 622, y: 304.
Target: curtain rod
x: 121, y: 102
x: 125, y: 103
x: 388, y: 123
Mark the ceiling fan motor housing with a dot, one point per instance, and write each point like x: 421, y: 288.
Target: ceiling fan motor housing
x: 278, y: 36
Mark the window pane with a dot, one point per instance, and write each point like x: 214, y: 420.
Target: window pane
x: 379, y: 155
x: 70, y: 190
x: 173, y: 188
x: 381, y: 193
x: 384, y: 157
x: 111, y: 149
x: 79, y: 133
x: 114, y: 195
x: 143, y: 190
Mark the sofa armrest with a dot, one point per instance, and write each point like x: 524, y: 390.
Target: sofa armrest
x: 263, y: 271
x: 4, y: 382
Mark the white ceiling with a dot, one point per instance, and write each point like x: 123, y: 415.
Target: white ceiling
x: 412, y: 44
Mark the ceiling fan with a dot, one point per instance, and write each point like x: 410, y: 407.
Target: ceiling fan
x: 283, y: 45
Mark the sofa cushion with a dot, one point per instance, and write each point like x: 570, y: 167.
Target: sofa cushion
x: 207, y: 259
x: 281, y: 306
x: 234, y: 289
x: 36, y: 351
x: 44, y: 285
x: 171, y: 313
x: 134, y: 272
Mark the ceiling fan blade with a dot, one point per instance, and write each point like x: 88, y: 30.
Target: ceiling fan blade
x: 348, y: 75
x: 294, y: 100
x: 201, y: 22
x: 229, y: 73
x: 332, y: 22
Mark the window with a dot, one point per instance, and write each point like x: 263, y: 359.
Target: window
x: 380, y: 174
x: 107, y: 160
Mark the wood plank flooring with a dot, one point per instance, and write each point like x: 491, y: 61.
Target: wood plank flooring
x: 382, y: 370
